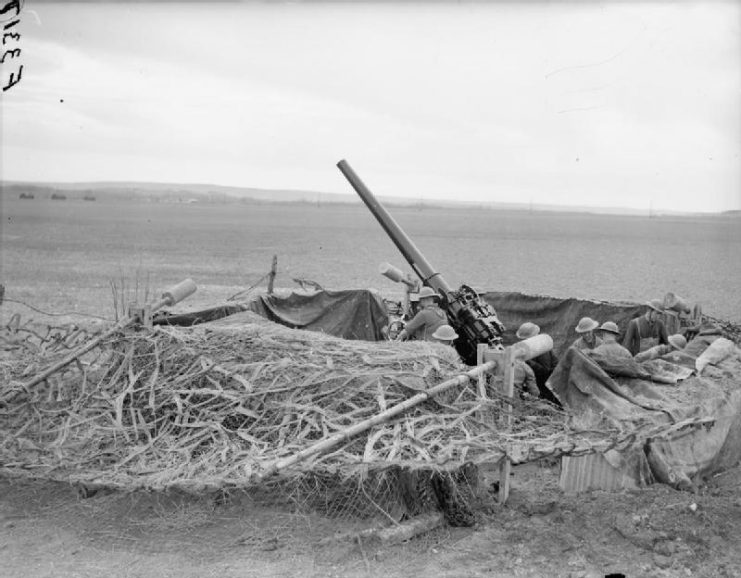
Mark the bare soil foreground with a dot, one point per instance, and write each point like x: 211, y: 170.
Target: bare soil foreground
x: 50, y: 530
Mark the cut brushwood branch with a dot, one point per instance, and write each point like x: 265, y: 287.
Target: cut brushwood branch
x: 344, y: 435
x: 170, y: 297
x: 411, y: 528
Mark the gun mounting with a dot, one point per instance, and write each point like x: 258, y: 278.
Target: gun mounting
x: 472, y: 317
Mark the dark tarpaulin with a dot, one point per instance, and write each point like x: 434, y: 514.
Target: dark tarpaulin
x: 351, y: 314
x: 694, y: 425
x: 557, y: 317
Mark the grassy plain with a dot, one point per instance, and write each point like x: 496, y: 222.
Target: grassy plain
x: 61, y: 255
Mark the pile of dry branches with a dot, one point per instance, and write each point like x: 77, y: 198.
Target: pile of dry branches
x: 214, y: 407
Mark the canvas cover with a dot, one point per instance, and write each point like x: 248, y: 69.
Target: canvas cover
x: 361, y: 314
x: 350, y: 314
x: 556, y: 316
x: 686, y: 427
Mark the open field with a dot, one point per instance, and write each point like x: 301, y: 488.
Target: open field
x: 61, y: 255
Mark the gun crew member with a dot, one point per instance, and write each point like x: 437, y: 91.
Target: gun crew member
x: 542, y: 365
x: 677, y: 342
x: 610, y: 346
x: 588, y: 340
x: 647, y: 330
x: 427, y: 321
x: 445, y: 334
x: 525, y: 381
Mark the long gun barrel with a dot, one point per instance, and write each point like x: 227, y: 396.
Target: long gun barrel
x: 406, y: 246
x: 473, y: 318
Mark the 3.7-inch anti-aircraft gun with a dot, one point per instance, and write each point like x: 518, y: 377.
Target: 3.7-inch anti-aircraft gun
x: 474, y: 319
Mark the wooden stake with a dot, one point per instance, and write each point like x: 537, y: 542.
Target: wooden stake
x: 505, y: 465
x: 272, y: 274
x: 480, y: 348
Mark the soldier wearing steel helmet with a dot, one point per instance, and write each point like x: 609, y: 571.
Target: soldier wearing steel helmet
x: 647, y: 330
x: 587, y: 340
x: 427, y: 321
x: 445, y: 334
x: 542, y: 365
x: 610, y: 346
x: 677, y: 342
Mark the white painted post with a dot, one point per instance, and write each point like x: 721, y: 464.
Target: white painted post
x: 505, y: 466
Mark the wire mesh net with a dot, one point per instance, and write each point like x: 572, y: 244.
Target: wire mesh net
x: 214, y: 409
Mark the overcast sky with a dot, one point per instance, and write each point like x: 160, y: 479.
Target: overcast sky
x: 602, y: 104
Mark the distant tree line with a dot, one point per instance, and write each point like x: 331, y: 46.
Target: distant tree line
x: 41, y: 191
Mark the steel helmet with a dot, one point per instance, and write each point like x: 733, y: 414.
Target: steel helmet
x: 677, y: 341
x: 586, y: 324
x: 610, y: 326
x: 527, y: 330
x: 445, y: 333
x: 427, y: 292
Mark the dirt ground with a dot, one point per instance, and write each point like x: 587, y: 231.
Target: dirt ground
x: 49, y: 530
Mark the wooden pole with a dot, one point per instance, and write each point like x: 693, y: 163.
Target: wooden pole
x: 272, y: 274
x: 339, y: 437
x: 505, y: 465
x: 411, y: 528
x: 480, y: 349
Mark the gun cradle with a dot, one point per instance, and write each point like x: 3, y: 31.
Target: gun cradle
x: 474, y: 320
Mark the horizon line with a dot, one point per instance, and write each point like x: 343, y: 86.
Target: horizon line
x: 651, y: 211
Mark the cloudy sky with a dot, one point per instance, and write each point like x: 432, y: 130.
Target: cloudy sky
x: 633, y: 104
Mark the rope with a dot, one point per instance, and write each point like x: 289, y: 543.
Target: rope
x: 260, y: 280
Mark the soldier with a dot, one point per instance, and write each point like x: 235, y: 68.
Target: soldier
x: 610, y: 346
x: 525, y: 379
x: 542, y: 365
x: 588, y: 339
x: 445, y: 334
x: 427, y: 321
x: 677, y: 342
x: 647, y: 330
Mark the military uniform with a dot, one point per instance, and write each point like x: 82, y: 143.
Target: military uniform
x: 426, y: 322
x: 613, y: 349
x: 582, y: 345
x: 642, y: 335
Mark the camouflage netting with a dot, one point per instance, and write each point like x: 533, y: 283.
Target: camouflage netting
x: 211, y: 407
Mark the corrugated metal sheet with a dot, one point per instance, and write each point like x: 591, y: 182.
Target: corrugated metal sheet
x: 592, y: 472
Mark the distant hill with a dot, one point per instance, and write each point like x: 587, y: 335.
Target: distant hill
x: 188, y: 193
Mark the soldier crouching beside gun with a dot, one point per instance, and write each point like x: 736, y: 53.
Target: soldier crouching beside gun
x: 525, y: 381
x: 427, y: 321
x: 525, y: 384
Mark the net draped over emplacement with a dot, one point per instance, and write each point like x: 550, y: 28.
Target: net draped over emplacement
x: 213, y: 407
